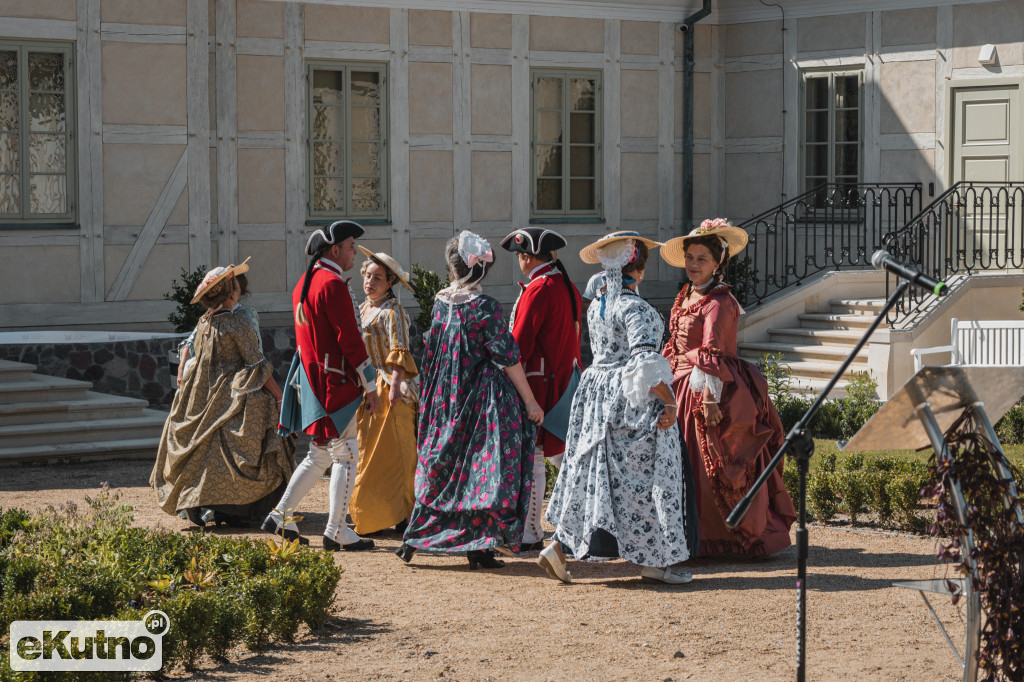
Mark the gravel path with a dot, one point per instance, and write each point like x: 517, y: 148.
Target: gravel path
x: 435, y: 619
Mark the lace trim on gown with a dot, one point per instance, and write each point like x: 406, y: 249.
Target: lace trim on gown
x: 699, y: 379
x: 649, y: 369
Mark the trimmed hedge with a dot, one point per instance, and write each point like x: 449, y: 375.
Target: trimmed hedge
x: 64, y: 563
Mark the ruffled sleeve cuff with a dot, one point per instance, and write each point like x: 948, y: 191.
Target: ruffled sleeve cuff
x: 700, y: 379
x: 643, y: 372
x: 401, y: 357
x: 708, y: 359
x: 250, y: 379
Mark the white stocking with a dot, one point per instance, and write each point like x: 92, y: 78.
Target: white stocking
x: 345, y: 453
x: 306, y: 474
x: 533, y: 531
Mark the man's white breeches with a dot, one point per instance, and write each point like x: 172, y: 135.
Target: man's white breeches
x: 341, y: 452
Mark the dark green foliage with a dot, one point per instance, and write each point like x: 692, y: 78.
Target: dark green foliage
x: 836, y: 418
x: 551, y: 475
x: 63, y: 563
x: 186, y: 315
x: 742, y: 278
x: 425, y: 285
x: 996, y: 562
x: 821, y: 494
x: 1010, y: 428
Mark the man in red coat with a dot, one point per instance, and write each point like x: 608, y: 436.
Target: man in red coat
x: 546, y: 325
x: 329, y: 378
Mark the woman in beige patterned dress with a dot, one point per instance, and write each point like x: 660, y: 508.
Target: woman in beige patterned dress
x: 383, y: 495
x: 220, y: 458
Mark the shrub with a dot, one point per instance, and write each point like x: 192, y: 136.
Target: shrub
x: 1010, y: 428
x: 425, y: 285
x: 836, y: 418
x: 186, y: 315
x: 851, y: 487
x: 69, y: 564
x: 551, y: 475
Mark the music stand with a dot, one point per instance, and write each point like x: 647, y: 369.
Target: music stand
x: 920, y: 414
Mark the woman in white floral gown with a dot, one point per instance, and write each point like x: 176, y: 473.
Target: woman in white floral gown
x: 620, y: 489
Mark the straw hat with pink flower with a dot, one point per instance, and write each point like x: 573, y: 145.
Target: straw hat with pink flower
x: 674, y: 250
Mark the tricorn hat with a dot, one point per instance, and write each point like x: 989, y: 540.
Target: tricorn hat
x: 533, y: 241
x: 217, y: 275
x: 336, y: 232
x: 389, y: 262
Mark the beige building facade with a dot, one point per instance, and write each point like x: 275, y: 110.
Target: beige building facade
x: 141, y: 137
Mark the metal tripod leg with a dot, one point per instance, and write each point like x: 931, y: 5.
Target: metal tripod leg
x: 969, y: 661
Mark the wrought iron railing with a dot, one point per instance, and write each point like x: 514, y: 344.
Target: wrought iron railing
x: 971, y: 227
x: 831, y: 227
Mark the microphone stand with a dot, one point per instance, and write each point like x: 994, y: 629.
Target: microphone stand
x: 800, y: 444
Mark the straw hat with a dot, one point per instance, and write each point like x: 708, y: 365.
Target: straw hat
x: 390, y: 262
x: 674, y: 251
x: 588, y: 254
x: 213, y: 277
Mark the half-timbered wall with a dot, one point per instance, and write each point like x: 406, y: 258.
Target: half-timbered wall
x: 191, y: 117
x: 191, y: 128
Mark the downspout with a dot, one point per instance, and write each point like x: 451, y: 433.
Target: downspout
x: 688, y: 62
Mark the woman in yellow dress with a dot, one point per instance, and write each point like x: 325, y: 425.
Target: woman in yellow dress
x: 383, y: 494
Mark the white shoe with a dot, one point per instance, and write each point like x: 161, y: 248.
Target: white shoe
x: 551, y: 563
x: 671, y: 576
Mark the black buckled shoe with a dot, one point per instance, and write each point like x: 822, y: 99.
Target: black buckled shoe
x: 405, y: 552
x: 270, y: 526
x: 361, y: 546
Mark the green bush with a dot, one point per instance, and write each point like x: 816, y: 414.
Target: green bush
x: 186, y: 314
x: 836, y: 419
x: 852, y: 490
x: 551, y: 475
x: 1010, y: 428
x: 69, y: 564
x: 425, y: 285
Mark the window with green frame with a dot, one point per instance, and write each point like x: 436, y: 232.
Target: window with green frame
x: 347, y: 155
x: 831, y: 128
x: 566, y: 144
x: 37, y: 141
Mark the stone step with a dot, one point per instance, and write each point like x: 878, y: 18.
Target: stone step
x: 94, y: 406
x: 149, y: 424
x: 857, y: 306
x: 141, y: 448
x: 835, y: 321
x: 812, y: 387
x: 39, y: 388
x: 810, y: 369
x: 15, y: 371
x: 832, y: 337
x: 801, y: 352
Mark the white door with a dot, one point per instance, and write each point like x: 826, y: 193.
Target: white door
x: 986, y: 149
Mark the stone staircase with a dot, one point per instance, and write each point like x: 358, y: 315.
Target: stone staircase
x: 44, y: 417
x: 814, y: 350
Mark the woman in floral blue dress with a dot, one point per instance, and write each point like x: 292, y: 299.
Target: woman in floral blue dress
x: 477, y: 423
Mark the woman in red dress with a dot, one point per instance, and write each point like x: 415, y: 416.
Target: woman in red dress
x: 728, y: 421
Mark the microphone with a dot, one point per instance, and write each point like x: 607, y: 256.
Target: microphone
x: 883, y: 260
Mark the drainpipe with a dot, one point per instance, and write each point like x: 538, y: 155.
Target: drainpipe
x: 688, y: 61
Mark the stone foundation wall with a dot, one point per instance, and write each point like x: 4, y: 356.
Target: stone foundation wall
x: 137, y: 369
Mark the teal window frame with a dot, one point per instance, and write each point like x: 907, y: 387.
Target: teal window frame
x: 25, y: 219
x: 346, y: 68
x: 594, y: 214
